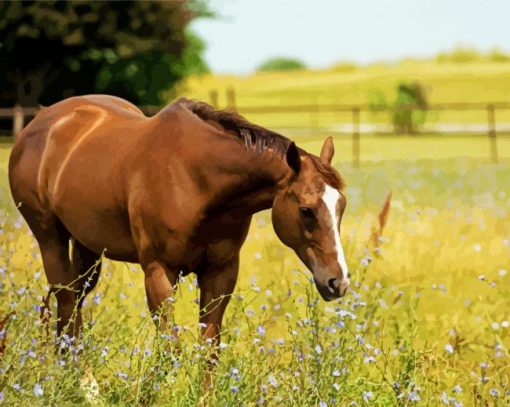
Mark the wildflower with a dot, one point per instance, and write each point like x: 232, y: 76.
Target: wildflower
x: 505, y: 324
x: 336, y: 386
x: 223, y: 345
x: 482, y: 277
x: 369, y: 359
x: 16, y: 386
x: 494, y: 393
x: 367, y: 395
x: 318, y: 349
x: 457, y: 389
x: 234, y: 389
x: 502, y: 272
x: 261, y: 331
x: 38, y: 390
x: 272, y: 381
x: 444, y: 398
x: 495, y: 325
x: 2, y: 396
x: 414, y: 396
x: 323, y: 404
x: 21, y: 291
x: 448, y: 348
x: 336, y: 373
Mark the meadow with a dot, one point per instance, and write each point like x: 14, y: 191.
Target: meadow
x: 426, y: 321
x: 476, y: 82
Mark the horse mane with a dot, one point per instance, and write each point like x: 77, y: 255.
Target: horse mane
x: 257, y: 137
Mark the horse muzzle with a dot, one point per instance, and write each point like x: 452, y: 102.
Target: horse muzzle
x: 334, y: 288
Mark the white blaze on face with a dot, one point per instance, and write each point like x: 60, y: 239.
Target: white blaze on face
x: 331, y: 197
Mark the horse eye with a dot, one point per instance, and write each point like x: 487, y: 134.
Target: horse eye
x: 307, y: 213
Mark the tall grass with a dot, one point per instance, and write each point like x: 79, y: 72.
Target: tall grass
x: 426, y: 321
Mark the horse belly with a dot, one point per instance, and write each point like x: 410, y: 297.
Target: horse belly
x: 100, y: 231
x: 91, y: 208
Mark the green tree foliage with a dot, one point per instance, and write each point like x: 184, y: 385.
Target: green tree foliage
x: 281, y: 64
x: 409, y: 110
x: 50, y: 50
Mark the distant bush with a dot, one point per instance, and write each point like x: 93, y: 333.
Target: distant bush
x: 345, y: 66
x: 409, y: 110
x: 463, y: 55
x: 281, y: 64
x: 460, y: 55
x: 497, y: 55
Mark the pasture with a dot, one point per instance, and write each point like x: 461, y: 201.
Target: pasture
x: 426, y: 321
x: 481, y: 82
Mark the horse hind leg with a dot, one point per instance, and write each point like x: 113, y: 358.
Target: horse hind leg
x: 53, y: 241
x: 87, y: 266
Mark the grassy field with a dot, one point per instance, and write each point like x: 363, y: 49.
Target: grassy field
x: 426, y: 321
x: 445, y: 83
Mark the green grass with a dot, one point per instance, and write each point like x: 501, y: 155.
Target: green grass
x: 425, y: 318
x: 480, y: 82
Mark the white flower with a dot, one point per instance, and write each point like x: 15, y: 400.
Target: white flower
x: 336, y: 373
x: 38, y: 390
x: 318, y: 349
x: 495, y: 325
x: 272, y: 381
x: 505, y: 324
x: 448, y: 348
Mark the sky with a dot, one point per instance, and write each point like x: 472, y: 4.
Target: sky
x: 323, y: 32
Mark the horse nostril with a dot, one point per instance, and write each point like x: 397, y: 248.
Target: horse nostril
x: 348, y: 275
x: 331, y: 283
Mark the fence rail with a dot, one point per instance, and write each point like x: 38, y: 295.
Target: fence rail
x: 19, y: 114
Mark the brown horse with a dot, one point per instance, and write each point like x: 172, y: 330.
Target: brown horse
x: 175, y: 193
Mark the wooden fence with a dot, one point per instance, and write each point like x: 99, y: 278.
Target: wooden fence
x: 19, y: 114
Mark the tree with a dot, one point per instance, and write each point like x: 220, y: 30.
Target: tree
x: 50, y: 50
x: 281, y: 64
x: 409, y: 110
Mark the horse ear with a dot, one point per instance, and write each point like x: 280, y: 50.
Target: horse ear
x: 327, y: 151
x: 292, y: 156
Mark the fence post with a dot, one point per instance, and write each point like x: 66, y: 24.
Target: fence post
x: 355, y: 136
x: 213, y: 98
x: 17, y: 119
x: 231, y: 97
x: 491, y: 128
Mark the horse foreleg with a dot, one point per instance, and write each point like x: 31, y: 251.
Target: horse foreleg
x: 216, y: 286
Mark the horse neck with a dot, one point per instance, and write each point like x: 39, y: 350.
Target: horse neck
x: 252, y: 185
